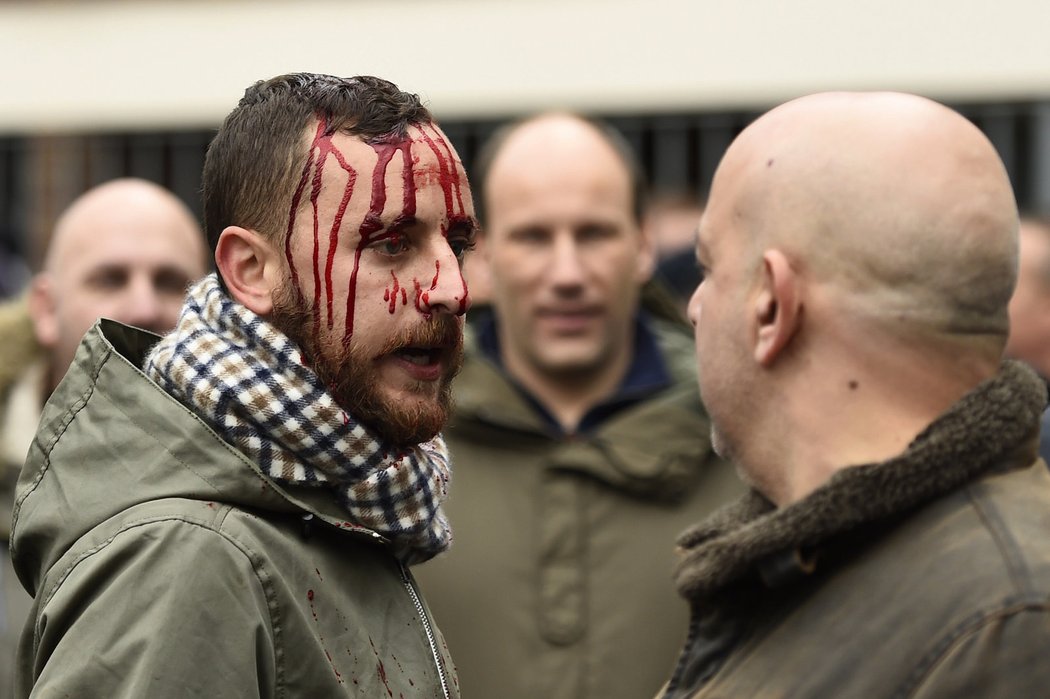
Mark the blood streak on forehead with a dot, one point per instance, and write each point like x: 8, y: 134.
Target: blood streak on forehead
x: 372, y: 223
x: 451, y: 180
x: 322, y: 148
x: 448, y: 176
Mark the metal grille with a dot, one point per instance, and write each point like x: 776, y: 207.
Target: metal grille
x: 41, y: 175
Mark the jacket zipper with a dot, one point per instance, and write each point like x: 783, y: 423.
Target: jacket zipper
x: 428, y: 629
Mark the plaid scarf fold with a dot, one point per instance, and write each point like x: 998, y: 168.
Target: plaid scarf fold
x: 245, y: 379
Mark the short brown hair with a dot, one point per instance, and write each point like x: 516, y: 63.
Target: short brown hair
x: 256, y: 159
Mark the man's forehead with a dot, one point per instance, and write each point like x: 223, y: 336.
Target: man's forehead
x: 127, y: 244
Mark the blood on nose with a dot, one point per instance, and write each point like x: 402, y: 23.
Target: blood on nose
x: 447, y: 289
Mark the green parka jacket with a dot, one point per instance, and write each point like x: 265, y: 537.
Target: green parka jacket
x: 558, y: 582
x: 164, y: 564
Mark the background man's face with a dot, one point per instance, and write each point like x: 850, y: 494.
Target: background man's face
x: 375, y: 295
x: 128, y: 256
x: 1030, y: 303
x: 566, y: 255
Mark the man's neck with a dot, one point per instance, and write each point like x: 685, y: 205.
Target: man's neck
x: 568, y: 397
x: 873, y: 416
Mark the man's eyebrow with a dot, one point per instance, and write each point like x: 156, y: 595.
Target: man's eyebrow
x: 108, y: 268
x: 468, y: 222
x: 403, y: 221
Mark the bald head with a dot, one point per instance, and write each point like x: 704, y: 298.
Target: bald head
x: 898, y: 203
x: 130, y: 206
x: 860, y: 253
x: 565, y: 137
x: 124, y: 250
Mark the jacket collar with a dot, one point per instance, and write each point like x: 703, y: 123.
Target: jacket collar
x: 651, y: 447
x: 153, y: 448
x: 646, y: 374
x: 994, y: 427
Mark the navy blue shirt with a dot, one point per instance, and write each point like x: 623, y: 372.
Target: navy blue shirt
x: 646, y: 374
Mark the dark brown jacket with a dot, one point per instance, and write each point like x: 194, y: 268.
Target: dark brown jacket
x: 927, y: 575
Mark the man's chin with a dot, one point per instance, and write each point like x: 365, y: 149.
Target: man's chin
x: 406, y: 427
x: 406, y: 414
x: 572, y: 366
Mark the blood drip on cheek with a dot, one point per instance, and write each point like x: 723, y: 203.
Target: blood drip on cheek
x: 372, y: 224
x: 391, y: 295
x: 422, y: 300
x: 321, y: 148
x: 423, y: 297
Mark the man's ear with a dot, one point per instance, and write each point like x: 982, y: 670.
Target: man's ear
x: 777, y: 307
x: 43, y: 311
x: 251, y: 267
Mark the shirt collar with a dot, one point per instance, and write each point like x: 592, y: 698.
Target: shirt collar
x: 646, y: 374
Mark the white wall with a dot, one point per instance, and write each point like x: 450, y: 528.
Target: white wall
x: 122, y: 64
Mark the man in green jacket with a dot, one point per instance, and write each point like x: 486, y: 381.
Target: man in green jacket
x: 860, y: 251
x: 125, y: 249
x: 232, y: 512
x: 579, y: 439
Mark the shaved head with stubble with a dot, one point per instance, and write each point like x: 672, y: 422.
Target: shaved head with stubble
x: 860, y: 252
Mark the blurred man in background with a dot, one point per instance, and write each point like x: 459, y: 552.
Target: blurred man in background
x: 126, y: 250
x: 579, y: 440
x: 859, y: 252
x: 1030, y: 308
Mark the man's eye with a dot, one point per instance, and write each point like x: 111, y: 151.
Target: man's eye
x: 171, y: 282
x: 394, y: 244
x: 108, y: 279
x: 530, y: 236
x: 596, y: 232
x: 461, y: 245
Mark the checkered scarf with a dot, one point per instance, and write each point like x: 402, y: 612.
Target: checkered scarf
x: 244, y: 377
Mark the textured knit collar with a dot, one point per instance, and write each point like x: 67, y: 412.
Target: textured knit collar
x: 996, y: 421
x: 246, y: 380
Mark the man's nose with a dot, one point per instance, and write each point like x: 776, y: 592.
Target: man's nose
x: 566, y: 265
x: 693, y: 309
x: 447, y: 292
x: 142, y: 306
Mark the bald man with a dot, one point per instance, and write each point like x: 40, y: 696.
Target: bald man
x: 126, y: 250
x: 579, y: 439
x: 860, y: 251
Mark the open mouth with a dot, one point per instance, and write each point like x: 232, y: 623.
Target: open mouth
x: 420, y: 356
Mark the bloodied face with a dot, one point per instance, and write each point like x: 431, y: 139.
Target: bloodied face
x: 374, y: 294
